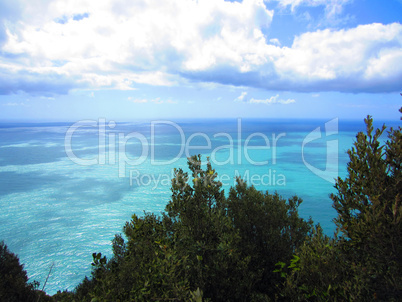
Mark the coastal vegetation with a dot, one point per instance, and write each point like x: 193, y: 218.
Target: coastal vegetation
x: 249, y: 245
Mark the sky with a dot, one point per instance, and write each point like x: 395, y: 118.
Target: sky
x: 124, y: 60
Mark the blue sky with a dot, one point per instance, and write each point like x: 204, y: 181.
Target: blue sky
x: 66, y: 60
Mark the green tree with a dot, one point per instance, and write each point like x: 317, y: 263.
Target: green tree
x: 369, y: 209
x: 232, y: 243
x: 205, y: 246
x: 14, y: 284
x: 202, y: 231
x: 270, y: 230
x: 363, y: 261
x: 315, y: 272
x: 145, y: 268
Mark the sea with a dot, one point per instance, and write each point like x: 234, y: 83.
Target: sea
x: 67, y: 188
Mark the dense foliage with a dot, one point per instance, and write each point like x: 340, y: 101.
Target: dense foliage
x: 14, y: 285
x: 13, y: 278
x: 253, y: 246
x: 204, y: 247
x: 363, y: 262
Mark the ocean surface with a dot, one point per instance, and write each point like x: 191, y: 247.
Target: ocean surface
x: 67, y: 188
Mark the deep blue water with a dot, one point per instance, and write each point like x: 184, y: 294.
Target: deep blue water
x: 67, y: 188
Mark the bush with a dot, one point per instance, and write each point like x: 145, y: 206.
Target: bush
x: 205, y: 247
x: 14, y: 284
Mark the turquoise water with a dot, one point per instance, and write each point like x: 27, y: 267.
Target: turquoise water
x: 66, y: 189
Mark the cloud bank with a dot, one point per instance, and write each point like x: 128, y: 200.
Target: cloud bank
x: 51, y: 47
x: 272, y: 100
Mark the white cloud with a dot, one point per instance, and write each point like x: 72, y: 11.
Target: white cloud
x: 275, y: 41
x: 63, y: 44
x: 137, y: 101
x: 288, y: 101
x: 272, y: 100
x: 241, y: 97
x: 332, y: 7
x: 155, y: 101
x: 14, y: 104
x: 360, y: 56
x: 119, y: 43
